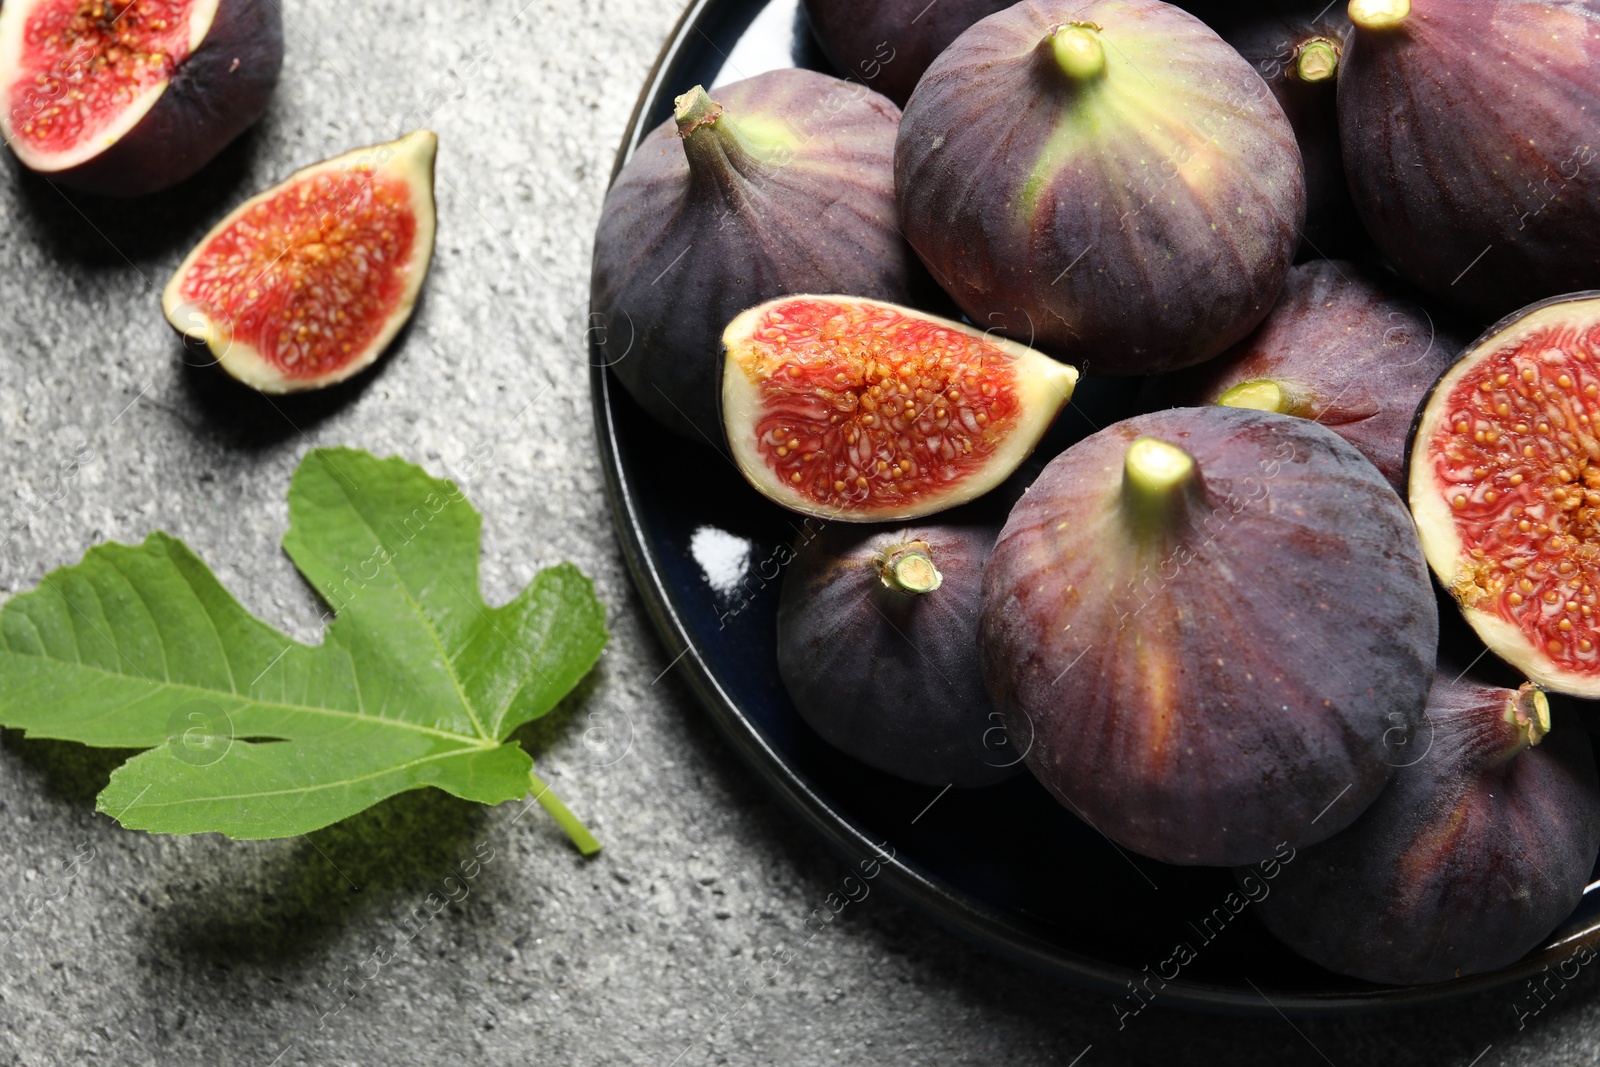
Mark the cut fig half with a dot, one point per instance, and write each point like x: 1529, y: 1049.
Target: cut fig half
x: 306, y: 284
x: 1505, y: 488
x: 127, y: 97
x: 865, y: 411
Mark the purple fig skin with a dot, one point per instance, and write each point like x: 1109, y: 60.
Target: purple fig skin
x: 1212, y: 668
x: 1122, y: 246
x: 1297, y: 50
x: 1342, y: 348
x: 1469, y: 143
x: 888, y: 44
x: 216, y: 93
x: 1469, y: 860
x: 696, y: 229
x: 889, y: 677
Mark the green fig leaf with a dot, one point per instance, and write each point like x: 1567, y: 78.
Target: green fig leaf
x: 417, y: 681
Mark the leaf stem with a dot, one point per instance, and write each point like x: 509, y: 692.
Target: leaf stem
x: 564, y: 818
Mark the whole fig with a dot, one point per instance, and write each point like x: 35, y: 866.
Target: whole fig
x: 878, y: 646
x: 1207, y: 622
x: 1342, y: 346
x: 1482, y: 844
x: 888, y: 44
x: 1106, y: 179
x: 1468, y: 130
x: 783, y: 184
x: 1297, y: 46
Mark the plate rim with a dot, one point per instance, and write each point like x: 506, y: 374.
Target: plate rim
x: 957, y: 911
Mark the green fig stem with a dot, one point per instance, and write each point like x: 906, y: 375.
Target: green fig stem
x: 1258, y: 394
x: 1379, y: 14
x: 575, y: 830
x: 909, y: 568
x: 1155, y: 478
x: 1078, y: 50
x: 1528, y: 710
x: 695, y: 109
x: 726, y: 152
x: 1318, y: 61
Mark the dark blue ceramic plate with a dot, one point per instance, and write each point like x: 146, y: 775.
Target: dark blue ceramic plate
x: 1007, y: 866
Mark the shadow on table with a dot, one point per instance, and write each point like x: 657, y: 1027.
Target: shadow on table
x: 239, y: 417
x: 99, y: 232
x: 288, y: 899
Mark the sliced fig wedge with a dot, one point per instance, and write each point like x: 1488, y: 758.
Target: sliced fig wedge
x: 1505, y: 488
x: 127, y: 97
x: 864, y: 411
x: 305, y: 284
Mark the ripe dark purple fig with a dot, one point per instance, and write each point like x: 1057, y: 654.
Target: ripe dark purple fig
x: 1106, y: 180
x: 1341, y: 347
x: 888, y: 44
x: 124, y: 98
x: 1482, y: 844
x: 1297, y: 48
x: 878, y: 646
x: 1210, y: 621
x: 782, y: 184
x: 1468, y: 129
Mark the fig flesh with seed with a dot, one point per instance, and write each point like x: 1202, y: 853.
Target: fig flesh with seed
x: 128, y: 97
x: 1208, y: 621
x: 782, y: 184
x: 305, y: 284
x: 1505, y: 487
x: 1109, y: 181
x: 1468, y: 130
x: 878, y: 646
x: 1482, y: 844
x: 1342, y: 347
x: 862, y: 411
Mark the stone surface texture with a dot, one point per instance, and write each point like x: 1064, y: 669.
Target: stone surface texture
x: 124, y: 948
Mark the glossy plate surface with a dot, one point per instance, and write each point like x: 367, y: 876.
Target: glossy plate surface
x: 1007, y: 867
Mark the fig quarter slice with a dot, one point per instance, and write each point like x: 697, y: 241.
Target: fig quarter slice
x: 1505, y: 488
x: 305, y: 284
x: 865, y: 411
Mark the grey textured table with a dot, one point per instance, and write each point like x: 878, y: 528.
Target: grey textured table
x: 683, y: 942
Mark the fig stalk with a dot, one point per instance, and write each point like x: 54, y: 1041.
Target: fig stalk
x: 723, y: 152
x: 1155, y: 475
x: 1318, y: 61
x: 909, y: 568
x: 1079, y: 51
x: 1379, y: 14
x: 693, y: 110
x: 1528, y: 710
x: 1258, y: 394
